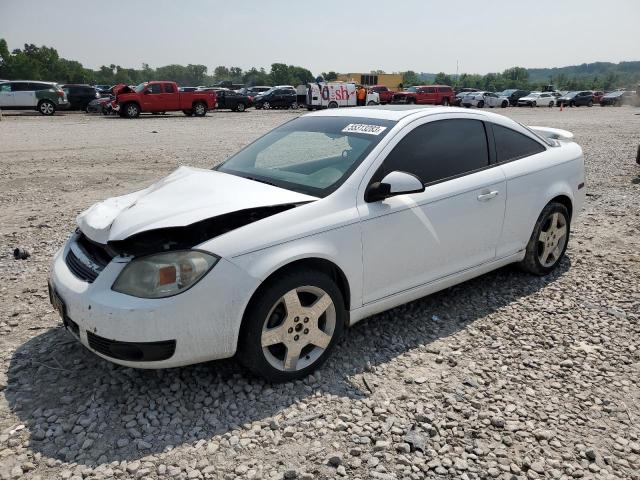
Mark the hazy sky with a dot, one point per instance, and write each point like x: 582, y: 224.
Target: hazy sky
x: 322, y: 35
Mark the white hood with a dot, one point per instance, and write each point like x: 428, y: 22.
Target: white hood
x: 186, y: 196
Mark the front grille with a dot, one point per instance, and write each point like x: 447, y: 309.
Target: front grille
x: 132, y: 351
x: 79, y: 269
x: 87, y: 259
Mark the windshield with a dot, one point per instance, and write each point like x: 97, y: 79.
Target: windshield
x: 311, y: 155
x: 140, y: 88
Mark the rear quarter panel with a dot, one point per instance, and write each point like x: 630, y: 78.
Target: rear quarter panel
x: 534, y: 181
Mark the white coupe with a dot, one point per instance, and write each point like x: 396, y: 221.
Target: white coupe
x: 484, y: 99
x: 325, y: 220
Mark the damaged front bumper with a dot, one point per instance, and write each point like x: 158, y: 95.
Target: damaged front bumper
x: 200, y: 324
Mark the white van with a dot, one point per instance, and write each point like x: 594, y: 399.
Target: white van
x: 336, y: 94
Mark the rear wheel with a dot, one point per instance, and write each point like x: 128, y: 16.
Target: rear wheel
x: 199, y: 109
x: 548, y: 241
x: 291, y: 326
x: 46, y: 107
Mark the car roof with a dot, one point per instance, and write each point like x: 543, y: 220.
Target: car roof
x: 397, y: 112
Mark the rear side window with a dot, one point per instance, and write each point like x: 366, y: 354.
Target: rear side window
x: 511, y: 145
x: 439, y: 150
x: 168, y: 88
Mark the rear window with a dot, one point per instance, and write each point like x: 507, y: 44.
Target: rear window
x: 512, y: 145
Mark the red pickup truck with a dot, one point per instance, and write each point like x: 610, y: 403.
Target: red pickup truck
x: 428, y: 94
x: 383, y: 92
x: 162, y: 96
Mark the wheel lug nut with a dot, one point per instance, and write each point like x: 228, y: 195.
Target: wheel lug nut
x: 296, y: 337
x: 306, y: 330
x: 290, y: 330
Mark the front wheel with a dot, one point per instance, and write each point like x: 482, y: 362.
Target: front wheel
x: 291, y: 326
x: 199, y: 109
x: 548, y: 241
x: 46, y: 107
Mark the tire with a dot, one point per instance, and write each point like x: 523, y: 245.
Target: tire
x: 268, y: 332
x: 131, y: 110
x: 332, y: 105
x: 241, y: 107
x: 548, y: 244
x: 199, y: 109
x: 188, y: 113
x: 445, y: 102
x: 294, y: 106
x: 266, y: 105
x: 46, y: 107
x: 480, y: 104
x: 504, y: 104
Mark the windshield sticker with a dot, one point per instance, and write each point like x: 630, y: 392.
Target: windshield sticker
x: 364, y: 128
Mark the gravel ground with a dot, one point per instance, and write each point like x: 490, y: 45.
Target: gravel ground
x: 505, y: 376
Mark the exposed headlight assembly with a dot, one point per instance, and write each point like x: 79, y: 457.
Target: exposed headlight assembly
x: 164, y: 274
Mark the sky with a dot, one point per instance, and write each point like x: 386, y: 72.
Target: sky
x: 323, y: 35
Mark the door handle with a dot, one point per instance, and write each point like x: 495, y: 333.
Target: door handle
x: 483, y: 197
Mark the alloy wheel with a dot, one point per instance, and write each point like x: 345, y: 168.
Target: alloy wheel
x: 552, y: 239
x: 298, y: 328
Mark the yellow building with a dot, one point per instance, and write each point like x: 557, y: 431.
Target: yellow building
x: 390, y: 80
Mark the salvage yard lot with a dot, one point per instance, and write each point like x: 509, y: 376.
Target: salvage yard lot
x: 506, y: 376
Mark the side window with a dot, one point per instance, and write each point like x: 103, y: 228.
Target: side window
x: 19, y: 87
x: 154, y: 88
x: 168, y: 88
x: 439, y: 150
x: 511, y: 145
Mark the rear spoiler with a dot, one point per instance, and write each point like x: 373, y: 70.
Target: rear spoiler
x: 552, y: 133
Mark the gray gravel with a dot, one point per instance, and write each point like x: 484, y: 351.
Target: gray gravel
x: 506, y: 376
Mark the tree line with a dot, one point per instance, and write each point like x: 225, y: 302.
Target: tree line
x: 44, y: 63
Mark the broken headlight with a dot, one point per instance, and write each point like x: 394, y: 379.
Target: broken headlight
x: 164, y: 274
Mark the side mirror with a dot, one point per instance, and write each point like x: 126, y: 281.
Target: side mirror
x: 394, y: 183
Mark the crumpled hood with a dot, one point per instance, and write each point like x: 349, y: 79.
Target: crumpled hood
x: 186, y: 196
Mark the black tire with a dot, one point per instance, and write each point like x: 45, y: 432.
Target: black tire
x: 531, y: 262
x: 480, y: 104
x: 131, y: 110
x: 241, y: 107
x: 199, y: 109
x: 250, y: 349
x: 46, y: 107
x: 188, y: 113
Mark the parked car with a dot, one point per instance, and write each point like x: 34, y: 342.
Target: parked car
x: 277, y: 97
x: 430, y: 94
x: 576, y: 99
x: 161, y: 96
x: 233, y: 100
x: 617, y: 98
x: 537, y: 99
x: 322, y: 222
x: 386, y: 95
x: 79, y: 96
x: 43, y: 97
x: 484, y: 99
x: 514, y: 95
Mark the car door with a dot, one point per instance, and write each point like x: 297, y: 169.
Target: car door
x: 23, y: 95
x: 170, y: 97
x: 6, y: 96
x: 152, y: 98
x: 455, y: 224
